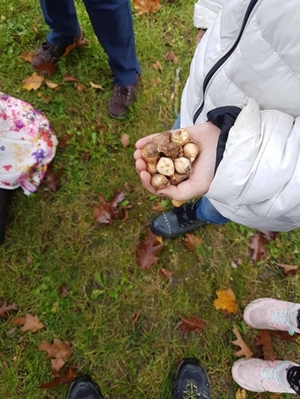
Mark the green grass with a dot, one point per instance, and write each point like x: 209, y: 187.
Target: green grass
x: 52, y: 238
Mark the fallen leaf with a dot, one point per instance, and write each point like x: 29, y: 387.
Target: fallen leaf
x: 188, y: 324
x: 157, y: 206
x: 4, y: 308
x: 52, y: 179
x: 165, y: 273
x: 146, y: 6
x: 107, y: 210
x: 288, y: 270
x: 177, y: 204
x: 47, y: 99
x: 27, y: 56
x: 99, y: 125
x: 270, y: 235
x: 157, y: 66
x: 257, y: 246
x: 52, y: 85
x: 125, y: 140
x: 285, y: 336
x: 80, y: 42
x: 241, y: 394
x: 33, y: 82
x: 63, y: 140
x: 147, y: 250
x: 59, y: 352
x: 64, y: 291
x: 69, y: 375
x: 244, y: 351
x: 192, y: 242
x: 135, y: 316
x: 79, y: 86
x: 226, y: 301
x: 170, y: 56
x: 29, y: 322
x: 264, y: 340
x: 94, y: 86
x: 155, y: 82
x: 69, y: 78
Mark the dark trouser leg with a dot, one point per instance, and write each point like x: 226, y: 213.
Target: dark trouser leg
x: 60, y: 16
x: 5, y: 196
x: 113, y: 26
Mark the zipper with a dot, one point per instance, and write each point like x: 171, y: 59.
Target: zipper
x: 225, y: 57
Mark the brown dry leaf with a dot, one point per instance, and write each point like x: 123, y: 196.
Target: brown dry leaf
x: 157, y: 66
x: 4, y: 308
x: 165, y: 273
x: 27, y: 56
x: 244, y: 351
x: 52, y: 85
x: 33, y: 82
x: 155, y: 82
x: 241, y: 394
x: 285, y: 336
x: 69, y: 78
x: 188, y: 324
x: 264, y: 340
x: 157, y: 207
x: 29, y: 322
x: 59, y: 352
x: 107, y: 210
x: 47, y: 99
x: 69, y: 375
x: 64, y: 291
x: 192, y: 242
x: 79, y: 86
x: 170, y: 56
x: 146, y: 6
x: 226, y: 301
x: 288, y: 270
x: 270, y: 235
x: 135, y: 316
x: 147, y: 250
x: 80, y: 42
x: 94, y: 86
x: 125, y: 140
x: 257, y: 246
x: 62, y: 142
x: 52, y: 179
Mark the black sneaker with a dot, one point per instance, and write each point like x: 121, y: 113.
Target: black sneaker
x: 191, y: 381
x: 5, y: 198
x: 178, y: 221
x: 84, y: 388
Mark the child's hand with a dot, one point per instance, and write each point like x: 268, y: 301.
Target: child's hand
x: 206, y: 135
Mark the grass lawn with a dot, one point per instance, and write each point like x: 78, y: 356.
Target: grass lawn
x: 52, y: 238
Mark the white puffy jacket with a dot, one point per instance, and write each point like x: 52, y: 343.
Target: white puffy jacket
x: 250, y: 58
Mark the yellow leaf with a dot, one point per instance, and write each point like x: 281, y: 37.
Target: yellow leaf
x: 159, y: 239
x: 241, y: 394
x: 33, y: 82
x: 226, y: 300
x: 27, y: 56
x: 146, y: 6
x: 52, y: 85
x: 94, y: 86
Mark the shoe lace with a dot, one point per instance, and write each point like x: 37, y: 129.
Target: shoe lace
x: 191, y: 392
x: 186, y: 214
x: 121, y: 92
x: 282, y: 317
x: 272, y: 373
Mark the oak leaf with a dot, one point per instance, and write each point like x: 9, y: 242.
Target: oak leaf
x: 288, y: 270
x: 226, y: 300
x: 285, y: 336
x: 33, y: 82
x: 69, y: 375
x: 27, y: 56
x: 59, y: 352
x: 264, y: 340
x: 244, y: 351
x: 192, y: 242
x: 4, y: 308
x: 146, y: 6
x: 147, y: 250
x: 188, y: 324
x: 52, y: 179
x: 29, y: 322
x: 107, y: 210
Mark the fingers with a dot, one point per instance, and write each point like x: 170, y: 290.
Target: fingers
x: 184, y: 191
x: 140, y: 165
x: 146, y: 182
x: 140, y: 143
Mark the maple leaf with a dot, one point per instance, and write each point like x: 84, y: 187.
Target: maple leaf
x: 188, y: 324
x: 146, y: 6
x: 288, y: 270
x: 4, y: 308
x: 27, y: 56
x: 29, y: 322
x: 52, y: 179
x: 106, y: 211
x: 244, y: 351
x: 264, y: 340
x: 33, y: 82
x: 226, y: 301
x: 192, y: 242
x: 147, y: 250
x: 69, y: 375
x: 59, y: 352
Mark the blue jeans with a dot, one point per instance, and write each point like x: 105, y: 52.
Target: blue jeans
x: 113, y: 26
x: 205, y: 210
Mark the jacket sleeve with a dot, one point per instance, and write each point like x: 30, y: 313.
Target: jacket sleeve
x: 205, y: 12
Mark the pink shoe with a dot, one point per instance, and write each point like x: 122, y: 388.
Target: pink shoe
x: 258, y: 375
x: 272, y: 314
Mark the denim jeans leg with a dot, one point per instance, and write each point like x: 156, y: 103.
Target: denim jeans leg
x: 207, y: 212
x: 176, y: 123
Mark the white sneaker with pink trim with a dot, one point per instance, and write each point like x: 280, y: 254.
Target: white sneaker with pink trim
x: 258, y: 375
x: 272, y: 314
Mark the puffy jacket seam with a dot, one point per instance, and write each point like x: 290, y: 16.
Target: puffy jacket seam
x: 232, y: 82
x: 274, y: 50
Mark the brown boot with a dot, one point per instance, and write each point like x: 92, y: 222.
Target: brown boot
x: 122, y: 97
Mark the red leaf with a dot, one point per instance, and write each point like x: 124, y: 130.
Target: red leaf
x: 4, y: 309
x: 52, y: 179
x: 192, y: 242
x: 63, y: 141
x: 147, y: 250
x: 64, y: 290
x: 69, y: 375
x: 106, y: 211
x: 257, y: 246
x: 264, y: 340
x: 59, y: 352
x: 188, y: 324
